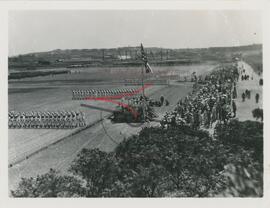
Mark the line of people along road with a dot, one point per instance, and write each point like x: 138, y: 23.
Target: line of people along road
x: 213, y: 101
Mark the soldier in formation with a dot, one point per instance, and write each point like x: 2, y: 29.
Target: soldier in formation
x: 47, y: 119
x: 95, y: 93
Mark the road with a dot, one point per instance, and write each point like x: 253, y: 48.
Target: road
x: 244, y: 109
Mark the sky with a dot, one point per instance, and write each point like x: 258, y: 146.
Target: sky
x: 46, y: 30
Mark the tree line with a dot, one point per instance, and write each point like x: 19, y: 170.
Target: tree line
x: 173, y: 162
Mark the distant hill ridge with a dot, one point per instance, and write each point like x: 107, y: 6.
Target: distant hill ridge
x: 126, y: 56
x: 137, y: 48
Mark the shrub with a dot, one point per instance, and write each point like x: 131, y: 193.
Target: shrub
x: 98, y: 168
x: 243, y: 181
x: 258, y: 113
x: 165, y: 162
x: 50, y: 184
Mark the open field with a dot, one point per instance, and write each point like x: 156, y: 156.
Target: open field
x: 52, y: 93
x: 96, y: 75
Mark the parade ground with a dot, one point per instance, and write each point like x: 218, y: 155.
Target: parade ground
x: 35, y: 151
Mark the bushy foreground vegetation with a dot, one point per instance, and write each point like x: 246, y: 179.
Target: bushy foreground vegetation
x: 258, y: 113
x: 173, y: 162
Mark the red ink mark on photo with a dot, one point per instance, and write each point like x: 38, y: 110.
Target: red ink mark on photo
x: 111, y: 99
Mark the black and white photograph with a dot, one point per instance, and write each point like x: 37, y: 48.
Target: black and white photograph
x: 135, y: 103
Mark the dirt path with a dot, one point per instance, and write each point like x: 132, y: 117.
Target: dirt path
x: 244, y: 109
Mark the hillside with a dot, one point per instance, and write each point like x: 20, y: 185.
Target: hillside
x: 125, y: 56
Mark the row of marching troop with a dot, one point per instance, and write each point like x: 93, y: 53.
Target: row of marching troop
x: 46, y: 119
x: 211, y: 102
x: 96, y: 93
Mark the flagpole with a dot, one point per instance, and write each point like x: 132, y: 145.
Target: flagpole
x: 143, y: 80
x: 143, y: 92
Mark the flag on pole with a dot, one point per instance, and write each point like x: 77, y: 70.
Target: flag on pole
x: 148, y: 69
